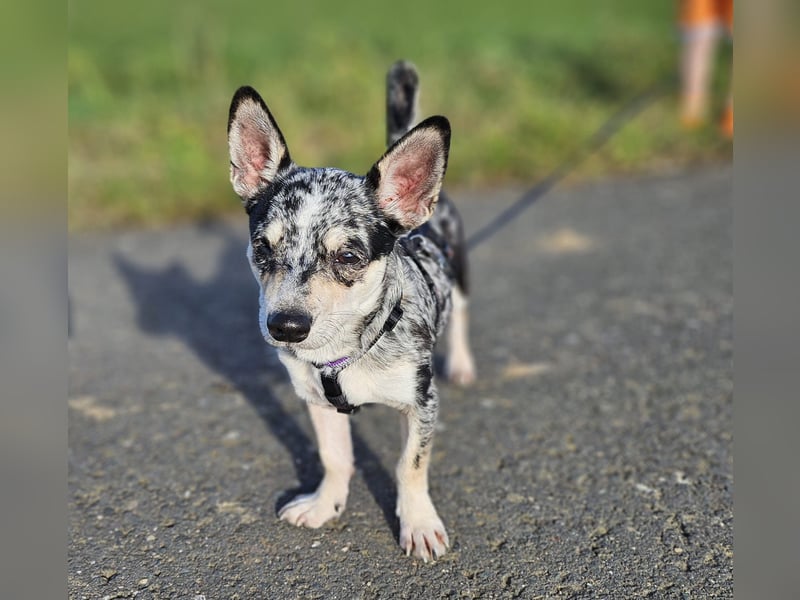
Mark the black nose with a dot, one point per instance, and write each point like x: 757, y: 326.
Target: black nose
x: 289, y: 326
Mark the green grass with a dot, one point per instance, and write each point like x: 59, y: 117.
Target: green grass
x: 523, y: 82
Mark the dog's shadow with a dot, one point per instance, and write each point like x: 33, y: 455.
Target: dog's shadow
x: 217, y: 319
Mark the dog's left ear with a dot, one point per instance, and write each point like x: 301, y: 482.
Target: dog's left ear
x: 407, y: 179
x: 258, y: 152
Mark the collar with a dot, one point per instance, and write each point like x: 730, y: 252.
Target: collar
x: 394, y: 316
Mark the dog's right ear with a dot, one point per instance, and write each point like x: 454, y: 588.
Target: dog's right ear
x: 258, y: 152
x: 408, y: 177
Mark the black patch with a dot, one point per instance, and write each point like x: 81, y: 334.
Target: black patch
x: 263, y: 257
x: 290, y: 231
x: 286, y: 161
x: 343, y: 280
x: 395, y: 227
x: 416, y: 461
x: 306, y: 274
x: 356, y: 246
x: 381, y: 241
x: 285, y: 186
x: 258, y: 206
x: 424, y: 376
x: 373, y: 178
x: 301, y: 183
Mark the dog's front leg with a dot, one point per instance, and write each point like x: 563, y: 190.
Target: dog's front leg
x: 422, y: 532
x: 336, y: 453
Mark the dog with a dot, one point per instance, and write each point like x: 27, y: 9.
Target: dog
x: 357, y: 278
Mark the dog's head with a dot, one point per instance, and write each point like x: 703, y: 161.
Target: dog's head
x: 320, y: 239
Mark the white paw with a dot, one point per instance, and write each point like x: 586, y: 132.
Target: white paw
x: 422, y: 533
x: 426, y: 539
x: 460, y: 368
x: 311, y: 510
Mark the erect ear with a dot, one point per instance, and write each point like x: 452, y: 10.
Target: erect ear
x: 407, y: 179
x: 258, y: 151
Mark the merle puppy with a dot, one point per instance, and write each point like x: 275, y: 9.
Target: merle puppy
x: 357, y: 277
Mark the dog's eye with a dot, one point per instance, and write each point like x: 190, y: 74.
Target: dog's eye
x: 346, y: 257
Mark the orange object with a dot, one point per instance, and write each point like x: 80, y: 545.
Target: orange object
x: 703, y: 12
x: 726, y: 123
x: 700, y: 22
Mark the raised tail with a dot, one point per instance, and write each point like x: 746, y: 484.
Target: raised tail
x: 402, y: 93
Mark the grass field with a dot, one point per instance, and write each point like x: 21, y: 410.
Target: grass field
x: 523, y: 82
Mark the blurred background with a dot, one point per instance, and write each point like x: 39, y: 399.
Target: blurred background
x: 525, y: 84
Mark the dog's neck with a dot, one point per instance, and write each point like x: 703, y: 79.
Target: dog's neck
x: 384, y: 320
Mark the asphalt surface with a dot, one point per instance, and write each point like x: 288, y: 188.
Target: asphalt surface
x: 593, y: 458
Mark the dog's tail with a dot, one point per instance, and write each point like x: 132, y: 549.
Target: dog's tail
x: 402, y: 92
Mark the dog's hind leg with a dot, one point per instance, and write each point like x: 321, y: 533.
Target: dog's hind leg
x: 336, y: 453
x: 460, y: 366
x: 422, y: 532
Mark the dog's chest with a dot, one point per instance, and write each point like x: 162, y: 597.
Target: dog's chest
x: 390, y: 384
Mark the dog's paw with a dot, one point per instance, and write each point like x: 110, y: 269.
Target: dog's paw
x: 425, y: 538
x: 311, y: 510
x: 460, y: 368
x: 422, y: 533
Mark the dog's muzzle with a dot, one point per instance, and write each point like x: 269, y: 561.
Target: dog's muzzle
x: 289, y: 326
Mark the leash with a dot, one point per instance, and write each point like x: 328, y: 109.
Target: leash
x: 597, y: 140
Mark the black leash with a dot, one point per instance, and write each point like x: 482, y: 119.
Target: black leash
x: 600, y: 137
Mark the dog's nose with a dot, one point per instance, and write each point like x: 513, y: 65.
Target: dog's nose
x: 289, y: 326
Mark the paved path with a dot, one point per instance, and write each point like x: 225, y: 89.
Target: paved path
x: 593, y: 459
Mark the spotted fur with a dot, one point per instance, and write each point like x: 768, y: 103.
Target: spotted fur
x: 334, y: 253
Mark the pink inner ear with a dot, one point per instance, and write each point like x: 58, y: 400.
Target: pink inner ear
x: 410, y: 182
x: 256, y: 155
